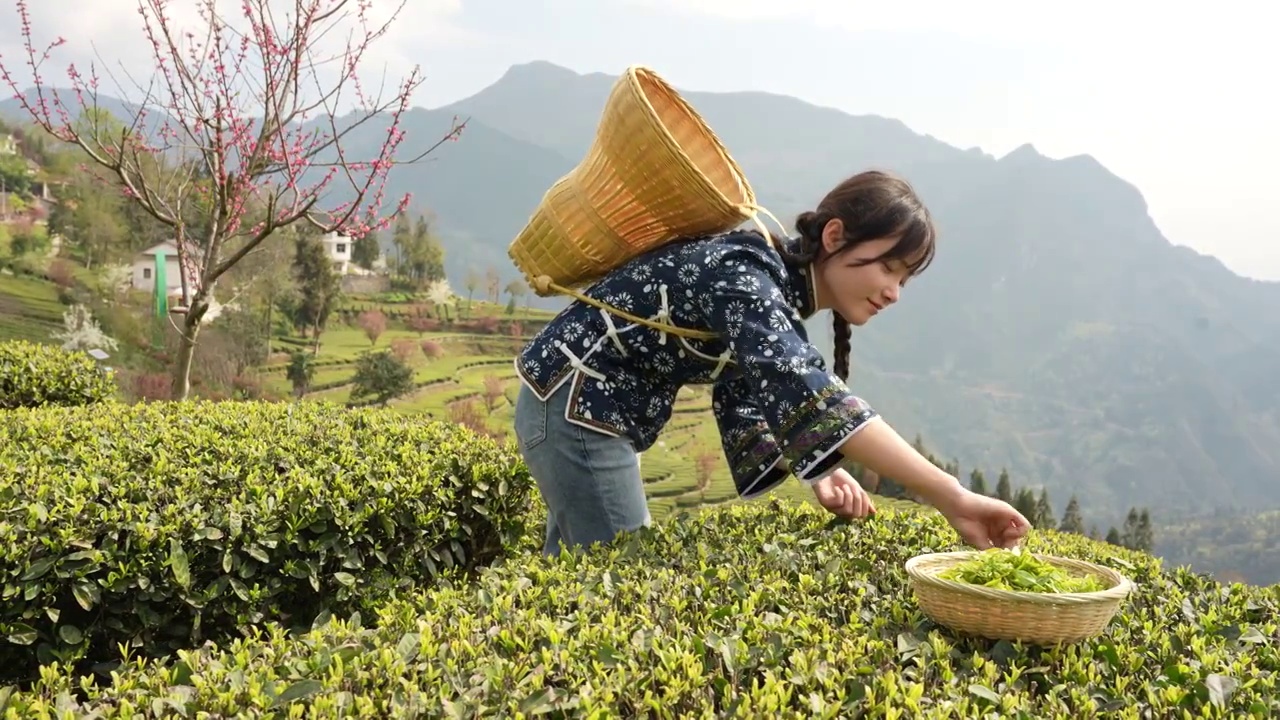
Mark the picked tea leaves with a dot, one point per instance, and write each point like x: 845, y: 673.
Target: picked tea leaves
x: 1020, y: 572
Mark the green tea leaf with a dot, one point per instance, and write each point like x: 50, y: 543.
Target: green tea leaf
x: 38, y: 569
x: 178, y: 563
x: 22, y: 634
x: 86, y: 593
x: 299, y: 690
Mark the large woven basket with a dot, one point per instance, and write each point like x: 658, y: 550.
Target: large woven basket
x: 1033, y: 617
x: 656, y: 171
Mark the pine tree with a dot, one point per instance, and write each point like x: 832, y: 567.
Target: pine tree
x: 1025, y: 502
x: 1113, y: 536
x: 365, y: 250
x: 977, y: 483
x: 402, y: 240
x: 1004, y: 489
x: 428, y: 258
x: 1129, y: 534
x: 1143, y: 537
x: 918, y: 444
x: 1044, y: 510
x: 1072, y: 522
x: 318, y: 287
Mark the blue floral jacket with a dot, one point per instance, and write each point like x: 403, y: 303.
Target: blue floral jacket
x: 777, y: 407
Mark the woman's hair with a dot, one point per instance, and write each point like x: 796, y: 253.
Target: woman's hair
x: 872, y: 205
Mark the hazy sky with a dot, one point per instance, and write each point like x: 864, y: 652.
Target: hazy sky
x: 1181, y: 99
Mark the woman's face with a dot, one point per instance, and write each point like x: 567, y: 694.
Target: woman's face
x: 858, y: 292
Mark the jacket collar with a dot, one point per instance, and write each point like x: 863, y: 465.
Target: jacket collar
x: 801, y: 290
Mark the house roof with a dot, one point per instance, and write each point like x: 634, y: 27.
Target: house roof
x: 169, y: 249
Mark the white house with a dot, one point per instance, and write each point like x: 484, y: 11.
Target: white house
x: 8, y: 144
x: 338, y: 248
x: 144, y: 264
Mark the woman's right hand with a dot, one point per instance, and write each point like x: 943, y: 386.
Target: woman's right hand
x: 843, y: 496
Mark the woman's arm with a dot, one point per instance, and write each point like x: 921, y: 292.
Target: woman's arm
x: 878, y: 446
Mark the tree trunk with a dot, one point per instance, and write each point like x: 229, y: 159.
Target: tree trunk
x: 271, y: 303
x: 187, y: 349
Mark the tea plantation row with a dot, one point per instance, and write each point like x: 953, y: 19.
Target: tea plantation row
x: 759, y: 610
x: 302, y: 560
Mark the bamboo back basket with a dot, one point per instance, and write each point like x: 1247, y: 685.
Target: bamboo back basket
x: 655, y: 172
x: 1034, y: 617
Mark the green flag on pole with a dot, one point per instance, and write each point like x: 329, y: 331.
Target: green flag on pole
x: 162, y: 295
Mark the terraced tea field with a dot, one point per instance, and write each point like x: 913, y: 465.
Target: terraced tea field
x: 29, y: 308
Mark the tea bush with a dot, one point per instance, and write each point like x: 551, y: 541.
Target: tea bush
x: 160, y: 525
x: 35, y: 375
x: 760, y: 609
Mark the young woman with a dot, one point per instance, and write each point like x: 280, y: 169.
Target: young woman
x: 597, y: 388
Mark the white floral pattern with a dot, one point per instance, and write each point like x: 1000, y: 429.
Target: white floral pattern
x: 778, y: 408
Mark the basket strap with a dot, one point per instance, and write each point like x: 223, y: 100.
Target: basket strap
x: 753, y: 212
x: 543, y: 284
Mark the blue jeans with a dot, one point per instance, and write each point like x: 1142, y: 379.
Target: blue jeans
x: 590, y: 481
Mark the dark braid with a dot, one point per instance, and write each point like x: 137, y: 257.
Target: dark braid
x: 843, y: 333
x: 809, y: 225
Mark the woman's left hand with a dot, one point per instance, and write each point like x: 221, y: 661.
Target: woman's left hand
x: 985, y: 522
x: 843, y: 496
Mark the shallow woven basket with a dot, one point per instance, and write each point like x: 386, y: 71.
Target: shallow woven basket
x: 1033, y: 617
x: 656, y: 171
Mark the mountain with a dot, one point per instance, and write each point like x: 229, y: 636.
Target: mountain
x: 1058, y: 334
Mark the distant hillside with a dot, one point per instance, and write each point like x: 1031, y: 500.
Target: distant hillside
x: 1242, y: 547
x: 1058, y: 334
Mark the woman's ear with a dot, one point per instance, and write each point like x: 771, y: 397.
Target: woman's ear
x: 833, y: 236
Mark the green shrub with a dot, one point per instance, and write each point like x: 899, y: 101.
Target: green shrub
x: 164, y: 524
x: 34, y: 375
x: 759, y: 610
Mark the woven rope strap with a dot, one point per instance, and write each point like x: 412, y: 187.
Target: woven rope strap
x: 543, y: 284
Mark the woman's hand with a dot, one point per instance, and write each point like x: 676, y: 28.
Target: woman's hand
x: 842, y: 495
x: 985, y: 522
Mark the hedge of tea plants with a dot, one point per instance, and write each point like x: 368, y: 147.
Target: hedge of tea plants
x: 160, y: 526
x: 761, y: 609
x: 35, y: 375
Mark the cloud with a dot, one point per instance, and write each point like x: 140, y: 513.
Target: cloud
x: 110, y: 36
x: 1074, y: 25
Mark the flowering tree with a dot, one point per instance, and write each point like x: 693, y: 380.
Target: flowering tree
x: 237, y: 135
x: 81, y: 332
x: 373, y: 323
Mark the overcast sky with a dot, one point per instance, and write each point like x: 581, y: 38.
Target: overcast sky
x: 1181, y: 99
